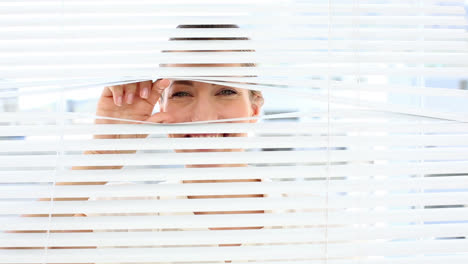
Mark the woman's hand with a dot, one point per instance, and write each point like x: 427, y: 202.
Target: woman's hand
x: 134, y: 101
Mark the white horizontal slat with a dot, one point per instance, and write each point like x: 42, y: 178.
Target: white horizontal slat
x: 159, y: 2
x: 153, y: 206
x: 293, y: 58
x: 38, y: 84
x: 453, y: 259
x: 233, y: 142
x: 27, y: 86
x: 421, y: 91
x: 316, y: 218
x: 263, y: 128
x: 24, y: 116
x: 354, y: 32
x: 453, y: 2
x: 273, y: 172
x: 103, y: 33
x: 456, y: 259
x: 233, y: 204
x: 343, y: 116
x: 150, y: 46
x: 270, y: 172
x: 303, y: 187
x: 174, y: 72
x: 208, y: 2
x: 400, y: 248
x: 318, y: 70
x: 145, y: 8
x: 297, y: 235
x: 190, y: 18
x: 173, y: 238
x: 152, y: 129
x: 235, y: 253
x: 265, y: 157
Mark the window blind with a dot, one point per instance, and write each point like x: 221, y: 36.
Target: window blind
x: 368, y: 165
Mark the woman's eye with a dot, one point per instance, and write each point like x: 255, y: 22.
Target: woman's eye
x: 227, y: 92
x: 180, y: 94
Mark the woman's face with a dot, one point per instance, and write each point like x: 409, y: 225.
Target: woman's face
x: 190, y: 101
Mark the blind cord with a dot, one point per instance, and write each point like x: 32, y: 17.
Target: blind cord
x: 60, y: 121
x: 328, y: 129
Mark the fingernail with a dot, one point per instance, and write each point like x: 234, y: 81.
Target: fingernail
x: 130, y: 98
x: 144, y: 92
x: 168, y: 83
x: 119, y: 100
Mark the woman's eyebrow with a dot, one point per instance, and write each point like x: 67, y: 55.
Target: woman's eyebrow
x: 188, y: 83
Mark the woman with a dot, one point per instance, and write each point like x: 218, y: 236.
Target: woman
x: 182, y: 101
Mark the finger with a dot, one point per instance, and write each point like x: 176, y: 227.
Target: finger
x: 145, y: 88
x: 117, y: 94
x: 161, y: 84
x: 158, y: 88
x: 161, y: 117
x: 107, y: 92
x: 129, y: 91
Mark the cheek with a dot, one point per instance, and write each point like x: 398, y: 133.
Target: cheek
x: 234, y: 109
x: 227, y: 112
x: 179, y: 112
x: 181, y: 117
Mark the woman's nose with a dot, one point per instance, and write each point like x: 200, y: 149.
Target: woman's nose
x: 204, y: 110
